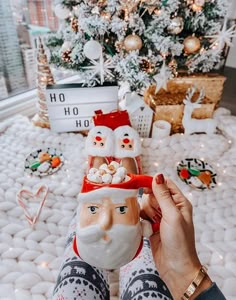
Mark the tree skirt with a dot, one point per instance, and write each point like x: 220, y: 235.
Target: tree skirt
x: 31, y: 256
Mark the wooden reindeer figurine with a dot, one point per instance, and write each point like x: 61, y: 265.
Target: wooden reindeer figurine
x: 196, y: 125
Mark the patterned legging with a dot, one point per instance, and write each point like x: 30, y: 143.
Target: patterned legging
x: 138, y: 280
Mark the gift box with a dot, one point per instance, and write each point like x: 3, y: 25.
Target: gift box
x: 168, y: 104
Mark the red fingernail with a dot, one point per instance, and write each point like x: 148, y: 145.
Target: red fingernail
x: 160, y: 179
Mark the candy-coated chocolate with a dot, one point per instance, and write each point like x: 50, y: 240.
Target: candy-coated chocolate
x: 44, y: 156
x: 184, y: 174
x: 194, y: 172
x: 44, y: 167
x: 205, y: 178
x: 35, y: 165
x: 55, y: 162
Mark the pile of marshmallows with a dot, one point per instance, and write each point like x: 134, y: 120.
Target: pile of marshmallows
x: 112, y: 173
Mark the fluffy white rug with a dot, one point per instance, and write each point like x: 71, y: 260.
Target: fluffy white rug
x: 31, y: 257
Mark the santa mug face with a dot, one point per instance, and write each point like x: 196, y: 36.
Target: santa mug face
x: 108, y: 233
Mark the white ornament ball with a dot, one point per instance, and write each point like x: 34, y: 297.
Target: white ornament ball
x: 92, y: 49
x: 66, y: 46
x: 61, y: 12
x: 176, y: 25
x: 133, y: 42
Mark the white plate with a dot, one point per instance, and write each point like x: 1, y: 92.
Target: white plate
x: 34, y: 158
x: 194, y: 166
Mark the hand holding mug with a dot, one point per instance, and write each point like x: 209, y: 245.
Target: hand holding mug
x: 173, y: 247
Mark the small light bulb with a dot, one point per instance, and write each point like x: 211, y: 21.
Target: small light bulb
x: 44, y: 264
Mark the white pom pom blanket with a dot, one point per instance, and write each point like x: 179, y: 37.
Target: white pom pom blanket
x: 31, y: 257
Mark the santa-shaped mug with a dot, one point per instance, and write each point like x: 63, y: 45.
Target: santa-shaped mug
x: 109, y: 232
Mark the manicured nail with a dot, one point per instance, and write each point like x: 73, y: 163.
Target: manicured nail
x: 160, y: 179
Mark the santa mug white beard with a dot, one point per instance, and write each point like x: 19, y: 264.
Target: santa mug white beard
x: 108, y: 231
x: 118, y: 250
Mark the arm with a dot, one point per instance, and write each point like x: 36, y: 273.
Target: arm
x: 173, y: 247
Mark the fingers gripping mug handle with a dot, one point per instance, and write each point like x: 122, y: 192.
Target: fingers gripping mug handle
x: 142, y: 181
x: 146, y: 181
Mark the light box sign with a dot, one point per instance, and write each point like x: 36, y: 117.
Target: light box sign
x: 71, y: 106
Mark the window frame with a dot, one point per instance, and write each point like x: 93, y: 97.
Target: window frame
x: 26, y: 102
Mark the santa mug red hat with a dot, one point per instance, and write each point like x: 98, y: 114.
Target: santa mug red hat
x: 113, y: 138
x: 109, y: 233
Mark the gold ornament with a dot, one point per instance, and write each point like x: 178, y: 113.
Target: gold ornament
x: 198, y: 5
x: 106, y: 15
x: 157, y: 12
x: 74, y: 24
x: 66, y: 56
x: 173, y: 66
x: 199, y: 2
x: 102, y: 3
x: 191, y: 44
x: 133, y: 42
x: 196, y: 8
x: 146, y: 65
x: 119, y: 45
x: 176, y: 25
x: 44, y: 78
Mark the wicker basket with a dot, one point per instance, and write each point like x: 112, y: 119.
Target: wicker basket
x: 168, y: 105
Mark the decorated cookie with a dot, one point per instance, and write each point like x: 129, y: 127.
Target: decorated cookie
x: 197, y: 173
x: 44, y: 162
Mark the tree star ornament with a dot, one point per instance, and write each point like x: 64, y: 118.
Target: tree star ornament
x: 223, y: 37
x: 101, y: 68
x: 162, y: 78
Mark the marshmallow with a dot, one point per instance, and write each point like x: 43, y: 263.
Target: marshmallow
x: 94, y: 178
x: 107, y: 178
x: 121, y: 171
x: 116, y: 179
x: 103, y: 167
x: 115, y: 164
x: 93, y: 171
x: 112, y: 173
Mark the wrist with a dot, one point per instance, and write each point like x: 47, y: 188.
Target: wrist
x: 188, y: 285
x: 177, y: 282
x: 205, y: 284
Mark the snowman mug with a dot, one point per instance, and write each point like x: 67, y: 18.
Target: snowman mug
x: 109, y: 232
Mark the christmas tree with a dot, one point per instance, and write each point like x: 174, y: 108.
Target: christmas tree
x: 139, y: 41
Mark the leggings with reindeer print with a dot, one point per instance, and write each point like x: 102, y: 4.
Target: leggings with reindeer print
x: 138, y: 280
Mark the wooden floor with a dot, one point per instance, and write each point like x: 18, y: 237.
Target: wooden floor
x: 229, y: 94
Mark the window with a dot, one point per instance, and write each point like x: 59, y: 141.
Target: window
x: 21, y: 23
